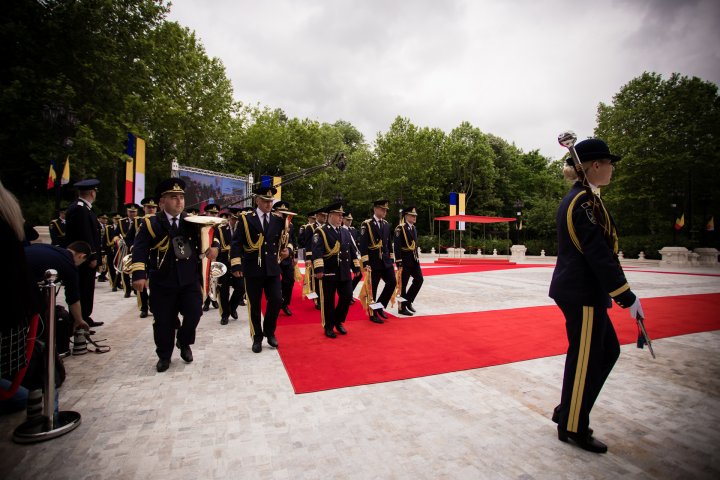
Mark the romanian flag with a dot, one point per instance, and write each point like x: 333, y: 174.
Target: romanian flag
x: 51, y: 176
x: 710, y: 227
x: 680, y: 222
x: 65, y: 179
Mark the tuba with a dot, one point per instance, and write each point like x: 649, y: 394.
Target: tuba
x: 205, y: 224
x: 126, y: 264
x: 217, y: 270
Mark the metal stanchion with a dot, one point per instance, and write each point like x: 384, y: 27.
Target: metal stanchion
x: 48, y: 425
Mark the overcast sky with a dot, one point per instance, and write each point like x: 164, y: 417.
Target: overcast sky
x: 523, y: 70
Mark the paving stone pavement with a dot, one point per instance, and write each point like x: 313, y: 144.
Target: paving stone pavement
x: 233, y: 414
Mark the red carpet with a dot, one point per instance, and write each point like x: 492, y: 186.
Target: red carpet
x: 409, y: 347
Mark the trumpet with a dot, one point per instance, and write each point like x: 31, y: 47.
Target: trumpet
x: 217, y: 270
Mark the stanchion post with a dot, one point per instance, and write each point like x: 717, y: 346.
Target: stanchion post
x: 48, y: 426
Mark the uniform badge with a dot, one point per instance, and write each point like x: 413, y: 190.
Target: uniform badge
x: 362, y: 229
x: 316, y: 238
x: 591, y: 217
x: 397, y: 232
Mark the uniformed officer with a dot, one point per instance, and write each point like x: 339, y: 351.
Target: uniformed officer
x: 82, y: 225
x: 57, y: 229
x: 305, y: 236
x: 287, y: 266
x: 408, y: 259
x: 335, y: 260
x: 347, y: 223
x: 378, y: 257
x: 126, y: 231
x: 103, y: 265
x: 238, y: 284
x: 192, y: 211
x: 254, y: 256
x: 586, y: 276
x: 211, y: 210
x: 149, y: 206
x: 222, y: 238
x: 166, y: 253
x: 112, y: 240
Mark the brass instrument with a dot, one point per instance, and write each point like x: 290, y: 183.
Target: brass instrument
x: 217, y: 270
x: 126, y: 264
x: 121, y: 249
x: 205, y: 224
x: 285, y: 235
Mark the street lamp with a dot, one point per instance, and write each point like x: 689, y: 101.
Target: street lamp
x: 518, y: 209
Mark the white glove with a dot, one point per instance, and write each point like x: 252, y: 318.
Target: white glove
x: 636, y: 310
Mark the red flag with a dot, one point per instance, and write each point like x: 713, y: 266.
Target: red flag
x: 51, y: 176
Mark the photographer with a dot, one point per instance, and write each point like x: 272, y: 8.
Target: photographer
x: 41, y: 257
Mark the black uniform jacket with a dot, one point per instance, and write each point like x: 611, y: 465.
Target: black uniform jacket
x: 82, y: 224
x: 222, y: 237
x: 334, y: 253
x: 253, y: 252
x: 406, y: 246
x: 155, y: 254
x: 57, y: 233
x: 305, y: 237
x: 376, y: 245
x: 587, y: 271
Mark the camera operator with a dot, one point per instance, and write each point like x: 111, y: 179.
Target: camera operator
x: 41, y: 257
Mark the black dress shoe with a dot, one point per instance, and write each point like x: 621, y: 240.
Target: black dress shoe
x: 114, y: 289
x: 127, y: 294
x: 272, y: 341
x: 93, y: 323
x: 382, y: 313
x: 162, y: 365
x: 405, y: 311
x: 257, y: 346
x: 224, y: 321
x: 556, y: 418
x: 215, y: 304
x: 317, y: 306
x: 584, y: 441
x: 341, y: 329
x: 287, y: 311
x: 185, y: 352
x: 409, y: 306
x: 375, y: 319
x: 143, y: 314
x: 234, y: 314
x: 206, y: 308
x: 330, y: 334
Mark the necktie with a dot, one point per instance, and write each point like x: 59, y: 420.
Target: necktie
x: 265, y: 222
x: 173, y: 228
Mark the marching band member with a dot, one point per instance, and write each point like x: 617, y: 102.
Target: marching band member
x: 408, y: 260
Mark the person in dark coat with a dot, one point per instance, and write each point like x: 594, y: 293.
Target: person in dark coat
x: 378, y: 257
x: 347, y: 223
x: 57, y: 229
x: 407, y: 258
x: 587, y: 276
x: 166, y: 253
x: 82, y: 225
x: 254, y: 256
x: 335, y: 260
x: 287, y: 266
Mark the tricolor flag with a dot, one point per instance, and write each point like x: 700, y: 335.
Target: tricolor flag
x: 680, y: 222
x: 710, y: 227
x: 65, y: 179
x: 51, y: 175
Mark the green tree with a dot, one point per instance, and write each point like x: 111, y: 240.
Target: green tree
x: 668, y: 132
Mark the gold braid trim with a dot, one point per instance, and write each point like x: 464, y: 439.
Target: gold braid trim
x: 410, y: 246
x: 252, y: 247
x: 330, y: 251
x: 373, y: 244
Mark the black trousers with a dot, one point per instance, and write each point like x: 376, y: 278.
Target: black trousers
x: 87, y: 290
x: 287, y: 276
x: 143, y: 300
x: 127, y: 283
x: 592, y: 352
x: 111, y: 268
x: 415, y: 273
x: 166, y: 303
x: 387, y: 275
x: 224, y: 283
x: 331, y: 314
x: 238, y: 295
x: 254, y: 288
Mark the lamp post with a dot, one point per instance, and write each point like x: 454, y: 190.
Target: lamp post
x: 518, y: 212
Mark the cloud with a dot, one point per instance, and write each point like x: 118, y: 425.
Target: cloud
x: 522, y: 70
